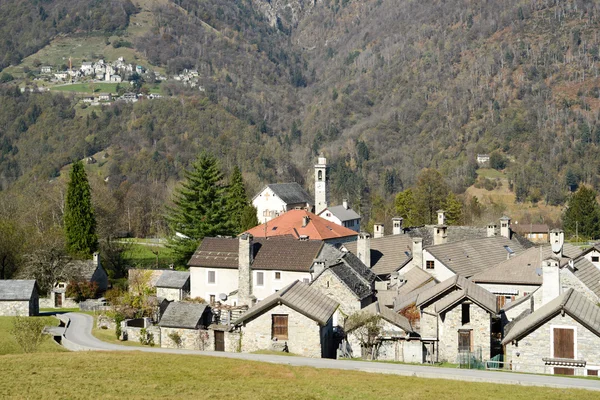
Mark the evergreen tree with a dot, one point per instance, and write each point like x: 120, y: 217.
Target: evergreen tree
x: 582, y: 216
x: 200, y: 208
x: 237, y: 202
x: 454, y: 209
x: 405, y: 206
x: 79, y: 219
x: 249, y: 218
x: 429, y: 196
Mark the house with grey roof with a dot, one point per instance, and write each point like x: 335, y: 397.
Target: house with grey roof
x: 342, y: 215
x: 173, y: 285
x: 297, y: 318
x: 185, y: 326
x: 562, y: 337
x: 19, y: 297
x: 81, y: 271
x: 277, y: 198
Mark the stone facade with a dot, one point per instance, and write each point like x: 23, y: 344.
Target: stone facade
x: 329, y: 284
x: 568, y: 280
x: 23, y: 308
x: 134, y: 333
x: 198, y: 339
x: 304, y: 334
x: 171, y: 294
x: 526, y: 356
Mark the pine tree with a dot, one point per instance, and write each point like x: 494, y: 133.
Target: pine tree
x: 405, y: 206
x: 79, y: 219
x: 200, y: 208
x: 582, y: 216
x: 237, y: 200
x: 249, y: 218
x: 429, y: 195
x: 454, y: 209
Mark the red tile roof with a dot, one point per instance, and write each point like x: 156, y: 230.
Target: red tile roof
x: 290, y: 223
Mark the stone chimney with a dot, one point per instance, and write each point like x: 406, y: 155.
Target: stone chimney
x: 550, y: 279
x: 417, y: 252
x: 557, y: 240
x: 491, y: 229
x: 345, y: 204
x: 363, y: 248
x: 397, y: 225
x: 505, y: 227
x: 441, y: 217
x: 318, y: 267
x: 378, y: 231
x: 305, y: 221
x: 245, y: 257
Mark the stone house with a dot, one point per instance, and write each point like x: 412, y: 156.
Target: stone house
x: 19, y: 297
x: 298, y: 318
x: 535, y: 233
x: 173, y: 285
x: 562, y: 337
x: 278, y: 198
x: 185, y: 325
x: 83, y: 271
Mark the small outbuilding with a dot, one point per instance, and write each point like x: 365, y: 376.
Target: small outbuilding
x: 19, y: 297
x: 184, y: 325
x: 173, y: 285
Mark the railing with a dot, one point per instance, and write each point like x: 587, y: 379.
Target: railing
x: 497, y: 365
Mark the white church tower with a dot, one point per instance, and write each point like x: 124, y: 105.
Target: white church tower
x: 321, y: 188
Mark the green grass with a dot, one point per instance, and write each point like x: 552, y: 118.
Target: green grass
x: 490, y: 173
x: 142, y: 375
x: 108, y: 335
x: 88, y: 88
x: 8, y: 344
x: 142, y: 256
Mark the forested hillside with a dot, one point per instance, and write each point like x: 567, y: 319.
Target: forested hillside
x: 383, y: 87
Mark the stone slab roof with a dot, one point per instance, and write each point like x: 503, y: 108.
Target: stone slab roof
x: 523, y: 299
x: 469, y: 257
x: 83, y: 269
x: 290, y: 193
x: 298, y: 296
x: 414, y: 279
x: 342, y: 213
x: 588, y: 274
x: 282, y: 254
x: 522, y: 268
x: 354, y: 275
x: 17, y: 289
x: 571, y: 302
x: 390, y: 316
x: 387, y: 297
x: 173, y: 279
x: 524, y: 229
x: 388, y: 253
x: 183, y: 315
x: 406, y: 300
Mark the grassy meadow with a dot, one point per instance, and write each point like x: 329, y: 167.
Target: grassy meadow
x: 145, y: 256
x: 89, y: 87
x: 141, y: 375
x: 8, y: 344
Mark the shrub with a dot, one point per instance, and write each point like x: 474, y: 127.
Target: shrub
x: 118, y: 319
x: 27, y: 331
x: 81, y: 291
x: 146, y: 338
x: 176, y: 338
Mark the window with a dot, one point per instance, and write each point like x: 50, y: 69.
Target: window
x: 595, y: 258
x: 466, y: 313
x: 212, y: 299
x: 430, y: 264
x: 503, y: 300
x: 564, y: 344
x: 592, y: 372
x: 260, y: 279
x: 277, y: 276
x: 211, y: 277
x: 464, y: 341
x: 306, y: 280
x: 280, y: 327
x: 320, y: 175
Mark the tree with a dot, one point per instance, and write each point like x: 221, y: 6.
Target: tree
x: 497, y: 161
x: 405, y: 205
x: 366, y: 327
x: 199, y: 208
x: 237, y: 201
x: 249, y: 218
x: 28, y: 332
x: 582, y: 216
x: 79, y: 219
x: 11, y: 247
x: 454, y: 209
x: 429, y: 196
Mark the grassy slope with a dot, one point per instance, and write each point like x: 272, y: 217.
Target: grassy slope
x: 136, y: 375
x: 8, y: 345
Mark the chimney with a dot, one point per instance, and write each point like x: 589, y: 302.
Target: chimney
x: 505, y: 227
x: 305, y: 220
x: 491, y: 230
x: 441, y: 217
x: 318, y: 267
x: 550, y: 279
x: 345, y: 204
x: 363, y: 248
x: 417, y: 252
x: 557, y: 240
x: 377, y: 231
x: 245, y: 256
x: 397, y: 225
x: 96, y: 258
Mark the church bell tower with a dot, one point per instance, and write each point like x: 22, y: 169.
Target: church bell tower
x: 321, y: 187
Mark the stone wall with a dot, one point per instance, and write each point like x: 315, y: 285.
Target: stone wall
x: 170, y: 294
x: 303, y: 333
x: 329, y: 284
x: 133, y: 334
x: 568, y: 280
x: 191, y: 339
x: 450, y: 323
x: 14, y: 308
x: 537, y: 345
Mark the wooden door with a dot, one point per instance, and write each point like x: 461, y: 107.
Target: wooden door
x: 464, y: 341
x: 564, y: 371
x: 58, y: 300
x: 219, y: 341
x: 564, y: 345
x: 279, y: 329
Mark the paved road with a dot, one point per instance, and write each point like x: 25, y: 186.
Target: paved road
x: 79, y: 337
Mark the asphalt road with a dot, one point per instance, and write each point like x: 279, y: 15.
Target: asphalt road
x: 79, y: 338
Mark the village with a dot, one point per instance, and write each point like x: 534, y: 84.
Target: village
x: 309, y: 281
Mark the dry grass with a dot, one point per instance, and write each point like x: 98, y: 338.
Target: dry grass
x: 8, y: 344
x: 140, y: 375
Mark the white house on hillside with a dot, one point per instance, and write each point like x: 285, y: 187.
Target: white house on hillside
x: 275, y: 199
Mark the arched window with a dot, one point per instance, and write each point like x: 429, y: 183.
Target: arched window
x: 320, y: 175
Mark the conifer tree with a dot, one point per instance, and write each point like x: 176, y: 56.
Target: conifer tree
x: 200, y: 208
x: 454, y: 210
x: 79, y: 219
x: 237, y: 201
x: 582, y: 216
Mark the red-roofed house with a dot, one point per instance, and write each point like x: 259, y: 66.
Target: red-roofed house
x: 301, y: 224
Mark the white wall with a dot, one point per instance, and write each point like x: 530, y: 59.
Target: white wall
x: 271, y: 285
x: 326, y: 214
x: 440, y: 271
x: 593, y: 253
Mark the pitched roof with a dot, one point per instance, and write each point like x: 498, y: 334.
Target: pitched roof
x: 406, y: 300
x: 388, y: 253
x: 173, y: 279
x: 282, y: 254
x: 468, y: 257
x: 182, y: 315
x: 414, y: 279
x: 390, y: 316
x: 342, y: 213
x: 588, y: 274
x: 571, y: 302
x: 530, y: 228
x: 522, y: 268
x: 298, y: 296
x: 355, y: 275
x: 290, y: 193
x: 83, y: 269
x: 454, y: 233
x: 291, y: 224
x: 16, y: 289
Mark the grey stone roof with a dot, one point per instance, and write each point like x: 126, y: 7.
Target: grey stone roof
x: 388, y: 253
x: 183, y: 315
x: 290, y: 193
x: 173, y: 279
x: 455, y: 233
x: 16, y: 289
x: 523, y: 299
x: 524, y: 229
x: 330, y: 254
x: 83, y: 269
x: 411, y: 298
x: 469, y: 257
x: 521, y: 269
x: 588, y: 274
x: 299, y: 297
x: 571, y: 302
x: 390, y: 316
x: 414, y: 279
x: 353, y: 274
x: 387, y: 297
x: 342, y: 213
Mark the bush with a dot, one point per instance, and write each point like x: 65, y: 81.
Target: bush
x: 27, y: 331
x: 81, y: 291
x: 176, y: 338
x: 146, y: 338
x: 118, y: 319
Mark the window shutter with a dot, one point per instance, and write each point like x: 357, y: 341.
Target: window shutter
x: 564, y: 343
x: 280, y: 327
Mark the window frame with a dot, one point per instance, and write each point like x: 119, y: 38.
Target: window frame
x: 279, y: 326
x: 208, y: 272
x: 262, y: 278
x: 430, y: 264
